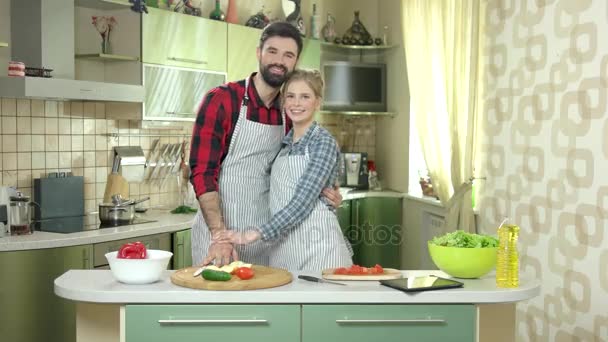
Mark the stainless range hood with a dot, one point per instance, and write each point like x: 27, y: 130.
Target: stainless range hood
x: 42, y: 35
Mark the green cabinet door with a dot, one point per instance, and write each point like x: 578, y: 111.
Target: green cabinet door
x: 29, y: 310
x: 176, y: 39
x: 388, y: 323
x: 242, y: 44
x: 189, y: 323
x: 182, y: 249
x: 310, y: 58
x: 377, y: 235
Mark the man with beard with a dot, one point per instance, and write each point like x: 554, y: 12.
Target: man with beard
x: 237, y: 134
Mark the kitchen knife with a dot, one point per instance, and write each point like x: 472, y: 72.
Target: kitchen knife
x: 318, y: 280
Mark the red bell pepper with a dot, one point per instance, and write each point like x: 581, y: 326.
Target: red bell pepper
x: 132, y: 250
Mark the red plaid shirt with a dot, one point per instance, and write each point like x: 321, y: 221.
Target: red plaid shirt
x: 215, y: 122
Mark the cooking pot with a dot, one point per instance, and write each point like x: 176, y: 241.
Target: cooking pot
x: 120, y: 211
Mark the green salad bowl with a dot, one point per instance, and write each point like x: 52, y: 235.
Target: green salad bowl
x: 462, y: 262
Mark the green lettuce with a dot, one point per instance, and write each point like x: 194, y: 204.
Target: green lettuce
x: 463, y: 239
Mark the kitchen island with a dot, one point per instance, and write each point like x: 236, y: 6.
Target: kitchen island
x: 300, y: 311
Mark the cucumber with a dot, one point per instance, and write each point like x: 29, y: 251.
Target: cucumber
x: 214, y: 275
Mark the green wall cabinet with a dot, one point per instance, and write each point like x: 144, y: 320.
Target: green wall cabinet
x: 189, y: 323
x: 387, y: 323
x: 242, y: 44
x: 29, y: 310
x: 373, y: 227
x: 310, y: 58
x: 182, y: 249
x: 175, y: 39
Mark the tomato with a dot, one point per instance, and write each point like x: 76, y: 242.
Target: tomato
x: 359, y: 270
x: 132, y: 250
x: 341, y: 270
x: 244, y: 273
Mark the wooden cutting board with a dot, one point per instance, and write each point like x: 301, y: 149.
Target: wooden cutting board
x: 265, y: 277
x: 389, y: 273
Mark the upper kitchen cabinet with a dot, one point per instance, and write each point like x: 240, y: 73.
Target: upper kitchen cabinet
x: 310, y: 58
x: 175, y: 39
x: 242, y: 44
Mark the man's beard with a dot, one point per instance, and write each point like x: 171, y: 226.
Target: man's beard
x: 271, y: 79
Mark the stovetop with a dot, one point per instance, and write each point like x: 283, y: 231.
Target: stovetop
x: 76, y: 224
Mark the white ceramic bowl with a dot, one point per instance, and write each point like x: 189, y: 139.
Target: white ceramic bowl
x: 139, y: 271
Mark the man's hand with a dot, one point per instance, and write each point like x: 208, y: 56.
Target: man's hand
x: 220, y: 252
x: 333, y: 196
x: 238, y: 238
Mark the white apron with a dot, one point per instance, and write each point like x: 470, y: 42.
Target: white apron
x: 317, y: 242
x: 244, y: 183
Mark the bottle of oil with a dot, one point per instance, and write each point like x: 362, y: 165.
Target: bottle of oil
x: 507, y: 258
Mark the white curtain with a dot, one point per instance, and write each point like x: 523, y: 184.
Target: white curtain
x: 442, y: 40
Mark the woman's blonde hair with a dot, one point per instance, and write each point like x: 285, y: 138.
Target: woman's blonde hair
x: 312, y: 78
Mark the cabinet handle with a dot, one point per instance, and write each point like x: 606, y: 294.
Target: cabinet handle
x: 85, y: 259
x: 86, y: 90
x: 186, y: 60
x: 180, y: 113
x: 390, y: 321
x: 211, y: 321
x: 357, y: 204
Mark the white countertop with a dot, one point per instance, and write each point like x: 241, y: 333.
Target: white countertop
x: 99, y: 286
x: 165, y: 223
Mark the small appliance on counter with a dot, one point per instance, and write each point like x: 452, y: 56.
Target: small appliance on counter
x: 353, y: 171
x: 60, y: 202
x: 21, y: 215
x: 3, y: 220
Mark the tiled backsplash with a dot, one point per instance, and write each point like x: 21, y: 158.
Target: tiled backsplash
x: 39, y: 137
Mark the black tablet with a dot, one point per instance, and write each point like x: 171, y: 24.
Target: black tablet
x: 423, y: 283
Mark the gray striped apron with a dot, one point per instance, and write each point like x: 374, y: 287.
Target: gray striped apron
x: 244, y: 183
x: 317, y: 242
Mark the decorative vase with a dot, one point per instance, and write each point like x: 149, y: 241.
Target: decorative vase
x: 357, y: 34
x: 217, y: 13
x: 106, y: 48
x: 329, y: 30
x: 232, y: 13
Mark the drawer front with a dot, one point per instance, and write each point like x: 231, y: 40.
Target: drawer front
x: 158, y: 241
x: 185, y: 323
x: 418, y: 323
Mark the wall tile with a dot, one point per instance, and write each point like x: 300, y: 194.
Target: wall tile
x: 89, y: 159
x: 24, y: 125
x: 65, y: 126
x: 100, y: 126
x: 89, y: 175
x: 38, y: 126
x: 89, y: 126
x: 77, y: 159
x: 38, y: 143
x: 65, y: 143
x: 89, y: 110
x: 89, y: 191
x: 24, y: 161
x: 100, y: 110
x: 24, y: 143
x: 9, y: 143
x: 65, y: 160
x: 89, y: 142
x: 101, y: 174
x: 9, y: 161
x: 9, y: 178
x: 50, y: 109
x: 51, y: 126
x: 51, y: 143
x: 38, y: 160
x: 77, y: 126
x: 101, y: 158
x: 101, y: 143
x: 52, y: 160
x: 77, y: 142
x: 37, y: 108
x: 25, y: 179
x: 24, y: 107
x: 9, y: 125
x: 76, y: 109
x: 100, y: 189
x: 9, y: 107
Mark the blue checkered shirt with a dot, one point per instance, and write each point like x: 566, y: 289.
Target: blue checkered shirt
x: 321, y: 171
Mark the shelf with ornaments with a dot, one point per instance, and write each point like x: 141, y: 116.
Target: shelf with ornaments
x: 357, y: 47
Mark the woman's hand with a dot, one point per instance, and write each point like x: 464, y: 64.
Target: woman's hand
x: 333, y: 196
x: 238, y: 238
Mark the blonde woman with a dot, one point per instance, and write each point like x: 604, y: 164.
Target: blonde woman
x: 310, y: 237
